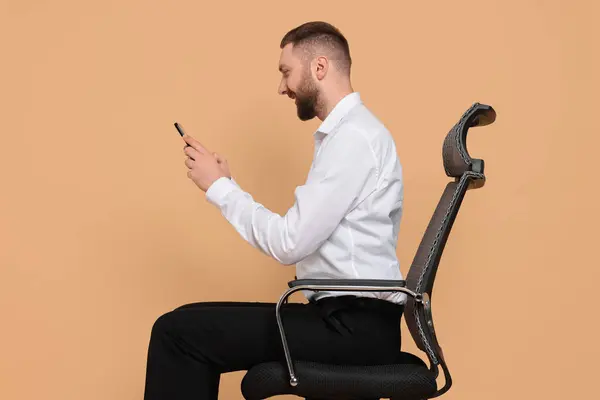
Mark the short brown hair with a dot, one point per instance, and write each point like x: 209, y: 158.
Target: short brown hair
x: 315, y: 33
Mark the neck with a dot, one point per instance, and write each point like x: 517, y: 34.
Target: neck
x: 331, y: 97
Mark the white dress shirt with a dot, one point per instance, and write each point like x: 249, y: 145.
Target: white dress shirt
x: 345, y: 220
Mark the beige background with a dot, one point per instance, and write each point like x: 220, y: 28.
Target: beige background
x: 101, y: 231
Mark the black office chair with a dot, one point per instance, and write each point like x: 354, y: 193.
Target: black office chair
x: 409, y: 377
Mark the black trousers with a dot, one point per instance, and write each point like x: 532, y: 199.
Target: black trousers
x: 192, y: 345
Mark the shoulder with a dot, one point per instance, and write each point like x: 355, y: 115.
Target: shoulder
x: 362, y: 126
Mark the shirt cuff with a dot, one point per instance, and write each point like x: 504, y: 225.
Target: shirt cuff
x: 216, y: 192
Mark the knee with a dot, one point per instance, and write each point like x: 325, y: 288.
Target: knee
x: 164, y: 325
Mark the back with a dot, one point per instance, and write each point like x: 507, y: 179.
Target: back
x: 363, y: 246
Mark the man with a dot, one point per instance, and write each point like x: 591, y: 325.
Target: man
x: 344, y: 224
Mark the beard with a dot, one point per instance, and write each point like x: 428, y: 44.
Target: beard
x: 307, y: 98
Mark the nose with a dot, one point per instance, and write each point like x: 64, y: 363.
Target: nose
x: 282, y: 89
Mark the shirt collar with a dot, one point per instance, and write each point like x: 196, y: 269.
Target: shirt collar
x: 340, y: 110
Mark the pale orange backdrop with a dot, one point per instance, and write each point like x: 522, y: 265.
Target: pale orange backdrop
x: 101, y: 231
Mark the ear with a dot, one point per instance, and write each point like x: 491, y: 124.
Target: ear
x: 321, y: 67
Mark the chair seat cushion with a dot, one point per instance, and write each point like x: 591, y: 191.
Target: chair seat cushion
x: 409, y: 379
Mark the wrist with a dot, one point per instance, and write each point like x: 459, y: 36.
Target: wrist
x: 219, y: 189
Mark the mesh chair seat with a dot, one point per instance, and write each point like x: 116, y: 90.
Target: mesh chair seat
x: 408, y: 379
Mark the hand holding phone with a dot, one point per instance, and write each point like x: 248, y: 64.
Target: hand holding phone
x: 222, y: 162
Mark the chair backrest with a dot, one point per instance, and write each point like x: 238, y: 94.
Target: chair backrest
x: 468, y: 173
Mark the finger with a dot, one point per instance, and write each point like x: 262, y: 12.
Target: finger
x: 192, y: 152
x: 195, y: 144
x: 189, y: 163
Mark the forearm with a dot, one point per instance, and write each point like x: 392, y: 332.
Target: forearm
x: 262, y: 228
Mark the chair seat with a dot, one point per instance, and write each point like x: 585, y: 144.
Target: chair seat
x: 409, y: 379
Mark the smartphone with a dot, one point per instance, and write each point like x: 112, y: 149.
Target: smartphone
x: 179, y: 129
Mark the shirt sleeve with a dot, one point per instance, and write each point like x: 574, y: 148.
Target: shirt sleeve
x: 343, y: 175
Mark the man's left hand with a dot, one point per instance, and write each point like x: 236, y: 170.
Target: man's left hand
x: 204, y: 166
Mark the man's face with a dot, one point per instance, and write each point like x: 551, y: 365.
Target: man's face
x: 298, y: 83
